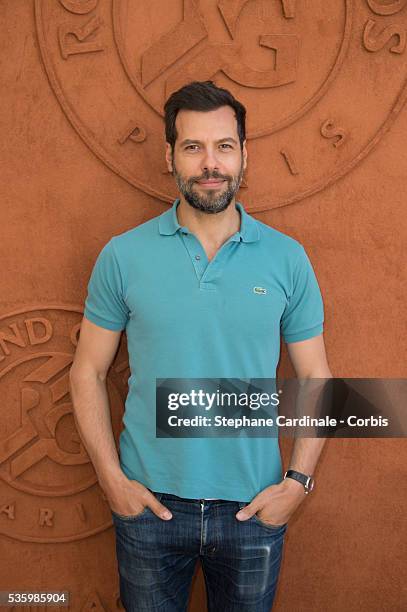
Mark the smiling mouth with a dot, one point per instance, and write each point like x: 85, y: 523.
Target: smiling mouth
x: 213, y: 183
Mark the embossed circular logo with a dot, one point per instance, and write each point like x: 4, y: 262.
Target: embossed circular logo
x: 50, y: 490
x: 322, y: 82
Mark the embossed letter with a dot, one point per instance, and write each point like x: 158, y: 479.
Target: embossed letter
x: 80, y: 33
x: 80, y: 7
x: 328, y: 130
x: 289, y: 161
x: 386, y: 9
x: 383, y: 37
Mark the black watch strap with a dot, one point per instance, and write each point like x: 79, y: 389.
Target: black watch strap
x: 304, y: 479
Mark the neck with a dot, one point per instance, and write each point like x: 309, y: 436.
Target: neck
x: 212, y: 229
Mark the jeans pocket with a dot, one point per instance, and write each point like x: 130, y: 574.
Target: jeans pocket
x: 258, y: 521
x: 134, y: 517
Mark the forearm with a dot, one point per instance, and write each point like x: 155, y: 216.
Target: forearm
x: 93, y: 421
x: 305, y: 454
x: 310, y: 397
x: 306, y: 450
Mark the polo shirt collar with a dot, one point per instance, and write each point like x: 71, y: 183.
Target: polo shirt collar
x: 249, y: 231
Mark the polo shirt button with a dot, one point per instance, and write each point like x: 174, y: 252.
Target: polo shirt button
x: 197, y: 257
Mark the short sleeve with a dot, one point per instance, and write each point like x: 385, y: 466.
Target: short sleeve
x: 104, y: 304
x: 303, y: 316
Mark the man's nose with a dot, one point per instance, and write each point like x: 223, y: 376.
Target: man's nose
x: 210, y: 161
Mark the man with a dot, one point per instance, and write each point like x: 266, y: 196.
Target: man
x: 182, y: 285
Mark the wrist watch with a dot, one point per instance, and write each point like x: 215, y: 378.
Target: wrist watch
x: 306, y: 481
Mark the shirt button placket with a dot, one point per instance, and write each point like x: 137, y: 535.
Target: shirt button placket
x: 193, y: 245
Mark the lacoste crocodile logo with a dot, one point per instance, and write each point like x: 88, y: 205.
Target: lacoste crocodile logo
x: 260, y: 290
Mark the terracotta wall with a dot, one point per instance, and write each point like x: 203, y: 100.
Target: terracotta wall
x: 83, y: 83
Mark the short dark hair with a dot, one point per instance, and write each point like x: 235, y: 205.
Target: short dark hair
x: 201, y: 96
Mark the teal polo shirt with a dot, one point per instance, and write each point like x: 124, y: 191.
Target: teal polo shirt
x: 188, y: 317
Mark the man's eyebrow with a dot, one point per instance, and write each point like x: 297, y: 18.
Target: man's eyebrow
x: 191, y: 141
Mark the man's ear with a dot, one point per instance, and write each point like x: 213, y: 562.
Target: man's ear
x: 168, y: 156
x: 244, y: 153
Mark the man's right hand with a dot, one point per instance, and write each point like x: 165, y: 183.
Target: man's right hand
x: 130, y: 497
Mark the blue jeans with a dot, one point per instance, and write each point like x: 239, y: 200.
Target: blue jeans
x: 157, y: 558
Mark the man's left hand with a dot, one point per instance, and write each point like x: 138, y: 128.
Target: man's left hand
x: 276, y: 503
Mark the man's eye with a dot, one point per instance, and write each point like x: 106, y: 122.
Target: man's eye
x: 225, y: 144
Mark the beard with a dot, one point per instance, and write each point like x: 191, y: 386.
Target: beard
x: 212, y: 201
